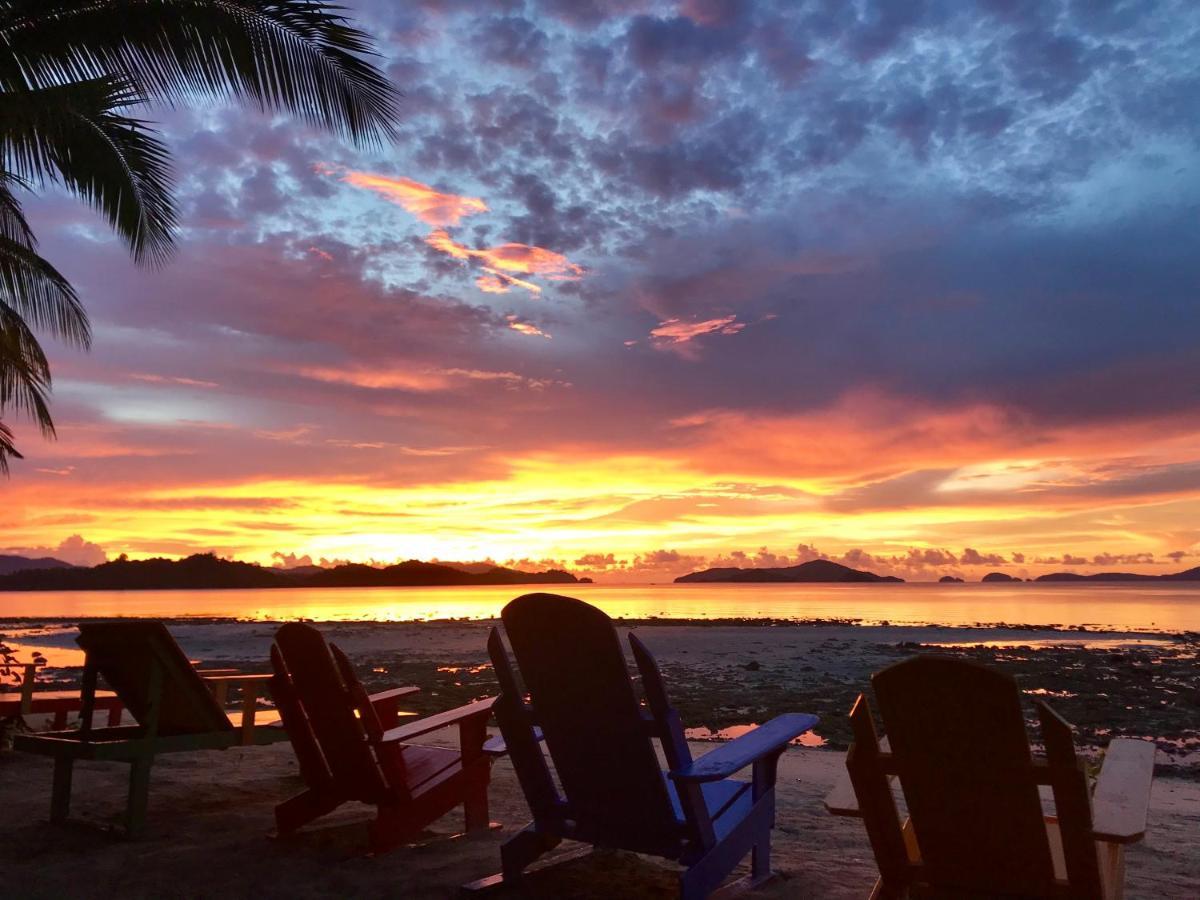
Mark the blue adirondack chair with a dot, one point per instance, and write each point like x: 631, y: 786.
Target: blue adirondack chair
x: 600, y: 738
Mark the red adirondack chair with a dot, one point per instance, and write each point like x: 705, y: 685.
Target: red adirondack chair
x: 956, y: 741
x: 600, y: 739
x: 349, y: 746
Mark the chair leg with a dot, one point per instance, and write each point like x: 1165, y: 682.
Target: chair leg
x: 114, y: 716
x: 760, y: 859
x: 60, y: 719
x: 139, y: 795
x: 60, y: 797
x: 298, y: 811
x: 392, y: 827
x: 475, y: 804
x: 522, y: 849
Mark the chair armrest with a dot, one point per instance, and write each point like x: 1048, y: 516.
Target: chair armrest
x: 393, y: 694
x: 495, y: 746
x: 1122, y: 796
x: 438, y: 721
x: 763, y: 741
x: 841, y: 800
x: 239, y: 678
x: 387, y: 704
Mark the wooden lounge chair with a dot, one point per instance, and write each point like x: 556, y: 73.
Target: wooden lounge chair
x: 956, y: 742
x: 599, y: 737
x: 173, y: 704
x: 25, y: 700
x: 349, y: 746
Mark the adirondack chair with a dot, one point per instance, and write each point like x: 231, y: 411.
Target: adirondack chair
x: 956, y: 742
x: 349, y: 746
x: 25, y: 700
x: 614, y: 793
x: 173, y: 704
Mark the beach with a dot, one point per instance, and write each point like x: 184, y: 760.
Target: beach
x: 210, y: 812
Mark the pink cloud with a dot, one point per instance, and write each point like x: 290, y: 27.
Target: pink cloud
x: 677, y: 331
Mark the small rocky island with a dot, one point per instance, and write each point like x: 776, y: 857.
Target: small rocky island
x: 814, y: 571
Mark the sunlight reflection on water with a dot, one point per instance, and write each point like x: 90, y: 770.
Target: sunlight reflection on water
x: 1158, y: 607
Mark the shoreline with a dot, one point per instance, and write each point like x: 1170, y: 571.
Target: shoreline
x: 726, y: 674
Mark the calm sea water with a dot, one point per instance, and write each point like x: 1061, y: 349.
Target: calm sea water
x: 1146, y: 606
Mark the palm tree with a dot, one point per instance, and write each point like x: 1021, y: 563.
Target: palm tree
x: 73, y: 72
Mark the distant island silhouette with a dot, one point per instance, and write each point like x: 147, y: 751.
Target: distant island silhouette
x: 817, y: 570
x: 206, y: 571
x: 10, y: 564
x: 1188, y: 575
x: 998, y: 576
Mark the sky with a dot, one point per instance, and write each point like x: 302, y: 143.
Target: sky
x: 649, y: 286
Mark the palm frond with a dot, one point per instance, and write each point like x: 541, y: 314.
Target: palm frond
x: 24, y: 370
x: 41, y: 295
x: 12, y: 217
x: 75, y: 134
x: 8, y: 449
x: 297, y: 56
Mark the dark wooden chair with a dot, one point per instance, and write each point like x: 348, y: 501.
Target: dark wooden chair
x: 173, y: 705
x: 350, y: 747
x: 956, y: 742
x: 600, y: 739
x: 24, y: 699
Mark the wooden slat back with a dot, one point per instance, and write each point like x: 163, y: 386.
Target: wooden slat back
x: 125, y: 653
x: 875, y: 801
x: 959, y: 745
x: 1072, y: 804
x: 391, y: 762
x: 570, y: 658
x: 329, y: 705
x: 313, y: 767
x: 666, y: 718
x: 516, y: 726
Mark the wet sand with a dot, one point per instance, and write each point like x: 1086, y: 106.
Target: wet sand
x: 731, y: 673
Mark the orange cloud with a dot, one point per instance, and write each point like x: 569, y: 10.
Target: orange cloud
x: 491, y: 284
x: 524, y: 259
x: 525, y: 327
x: 677, y: 331
x: 427, y: 204
x: 495, y: 282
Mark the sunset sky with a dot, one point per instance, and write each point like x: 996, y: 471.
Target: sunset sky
x: 650, y: 286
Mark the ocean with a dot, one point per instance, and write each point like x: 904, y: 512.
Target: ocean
x: 1142, y: 606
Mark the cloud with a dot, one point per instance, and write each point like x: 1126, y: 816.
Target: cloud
x: 74, y: 550
x: 429, y: 205
x: 511, y: 257
x: 519, y: 325
x: 676, y: 331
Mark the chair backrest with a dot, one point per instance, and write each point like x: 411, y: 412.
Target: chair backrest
x: 599, y: 738
x: 127, y: 654
x: 959, y: 746
x: 317, y: 703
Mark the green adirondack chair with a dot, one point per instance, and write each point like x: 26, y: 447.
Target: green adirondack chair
x: 175, y: 708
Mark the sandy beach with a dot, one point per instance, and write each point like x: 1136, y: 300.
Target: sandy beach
x: 211, y: 812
